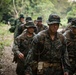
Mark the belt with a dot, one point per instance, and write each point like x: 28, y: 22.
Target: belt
x: 46, y: 64
x: 42, y: 65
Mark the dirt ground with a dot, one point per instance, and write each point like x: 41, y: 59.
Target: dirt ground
x: 8, y: 67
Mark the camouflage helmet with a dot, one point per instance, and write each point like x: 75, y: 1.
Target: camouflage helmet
x: 39, y: 18
x: 53, y: 18
x: 21, y: 16
x: 73, y: 23
x: 30, y: 24
x: 70, y: 19
x: 28, y: 19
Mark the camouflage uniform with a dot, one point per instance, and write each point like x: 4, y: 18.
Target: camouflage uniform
x: 17, y: 24
x: 68, y: 25
x: 40, y: 27
x: 47, y: 56
x: 71, y: 47
x: 22, y: 45
x: 23, y: 26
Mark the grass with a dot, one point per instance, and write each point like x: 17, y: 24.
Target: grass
x: 6, y: 37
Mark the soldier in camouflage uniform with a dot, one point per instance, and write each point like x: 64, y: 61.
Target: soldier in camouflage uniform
x: 28, y: 19
x: 17, y: 24
x: 68, y: 25
x: 22, y: 27
x: 39, y: 25
x: 22, y: 46
x: 48, y: 55
x: 70, y: 36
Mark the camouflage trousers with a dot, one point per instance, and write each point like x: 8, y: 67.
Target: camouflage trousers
x: 20, y: 69
x: 23, y: 70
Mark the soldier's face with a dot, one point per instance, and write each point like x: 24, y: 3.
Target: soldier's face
x: 54, y: 27
x: 30, y: 30
x: 74, y: 30
x: 22, y: 19
x: 39, y: 22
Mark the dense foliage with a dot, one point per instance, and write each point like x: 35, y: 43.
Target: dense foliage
x: 35, y: 8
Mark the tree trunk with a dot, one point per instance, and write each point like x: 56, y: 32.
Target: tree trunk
x: 16, y: 13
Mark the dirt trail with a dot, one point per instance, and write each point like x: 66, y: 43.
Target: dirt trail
x: 8, y: 66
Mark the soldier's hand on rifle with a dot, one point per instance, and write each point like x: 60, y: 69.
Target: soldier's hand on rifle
x: 21, y: 55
